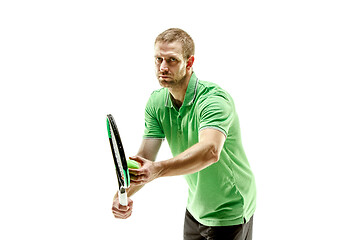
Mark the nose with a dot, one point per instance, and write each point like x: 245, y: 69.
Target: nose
x: 164, y: 67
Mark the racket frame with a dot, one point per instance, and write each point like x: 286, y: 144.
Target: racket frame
x: 121, y: 168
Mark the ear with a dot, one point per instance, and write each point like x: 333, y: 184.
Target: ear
x: 190, y: 62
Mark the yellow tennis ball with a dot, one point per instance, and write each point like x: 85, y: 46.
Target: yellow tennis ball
x: 133, y: 164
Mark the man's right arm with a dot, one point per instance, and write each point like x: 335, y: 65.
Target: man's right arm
x: 149, y: 149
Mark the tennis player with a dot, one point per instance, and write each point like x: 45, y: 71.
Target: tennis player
x: 200, y: 123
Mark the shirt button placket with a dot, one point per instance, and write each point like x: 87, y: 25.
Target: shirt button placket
x: 179, y: 125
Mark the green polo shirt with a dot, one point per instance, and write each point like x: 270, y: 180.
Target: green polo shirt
x: 224, y: 193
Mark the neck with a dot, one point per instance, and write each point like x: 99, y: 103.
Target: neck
x: 178, y: 93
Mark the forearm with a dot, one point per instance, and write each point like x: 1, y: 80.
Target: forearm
x: 194, y: 159
x: 199, y: 156
x: 133, y: 189
x: 148, y: 149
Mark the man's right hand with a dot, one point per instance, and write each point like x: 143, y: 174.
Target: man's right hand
x: 120, y: 211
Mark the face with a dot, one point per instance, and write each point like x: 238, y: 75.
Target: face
x: 170, y: 65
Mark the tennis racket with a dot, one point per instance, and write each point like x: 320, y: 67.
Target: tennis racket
x: 121, y: 167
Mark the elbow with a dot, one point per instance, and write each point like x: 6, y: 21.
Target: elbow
x: 213, y: 153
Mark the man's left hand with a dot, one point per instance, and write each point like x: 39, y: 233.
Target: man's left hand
x: 148, y: 171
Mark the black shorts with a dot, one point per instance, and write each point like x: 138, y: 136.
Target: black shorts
x: 193, y: 230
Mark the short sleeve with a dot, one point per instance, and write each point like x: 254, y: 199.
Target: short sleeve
x: 216, y: 112
x: 153, y: 128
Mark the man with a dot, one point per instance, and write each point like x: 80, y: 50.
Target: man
x: 200, y: 123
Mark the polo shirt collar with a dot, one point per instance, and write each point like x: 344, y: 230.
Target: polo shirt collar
x: 190, y: 94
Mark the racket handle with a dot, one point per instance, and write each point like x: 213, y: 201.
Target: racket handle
x: 123, y: 197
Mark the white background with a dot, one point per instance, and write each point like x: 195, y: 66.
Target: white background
x: 291, y: 66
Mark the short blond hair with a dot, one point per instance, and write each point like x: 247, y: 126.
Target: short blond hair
x: 176, y: 34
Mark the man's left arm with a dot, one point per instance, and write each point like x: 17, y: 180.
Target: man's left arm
x: 199, y: 156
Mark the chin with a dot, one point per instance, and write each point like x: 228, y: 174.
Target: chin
x: 162, y: 82
x: 165, y: 83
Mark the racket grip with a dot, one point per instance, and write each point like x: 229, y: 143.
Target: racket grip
x: 123, y: 197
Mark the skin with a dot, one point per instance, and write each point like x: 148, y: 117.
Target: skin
x: 173, y: 71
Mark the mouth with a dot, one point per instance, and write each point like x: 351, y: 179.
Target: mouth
x: 165, y: 77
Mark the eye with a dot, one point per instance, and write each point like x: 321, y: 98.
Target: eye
x: 158, y: 59
x: 172, y: 59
